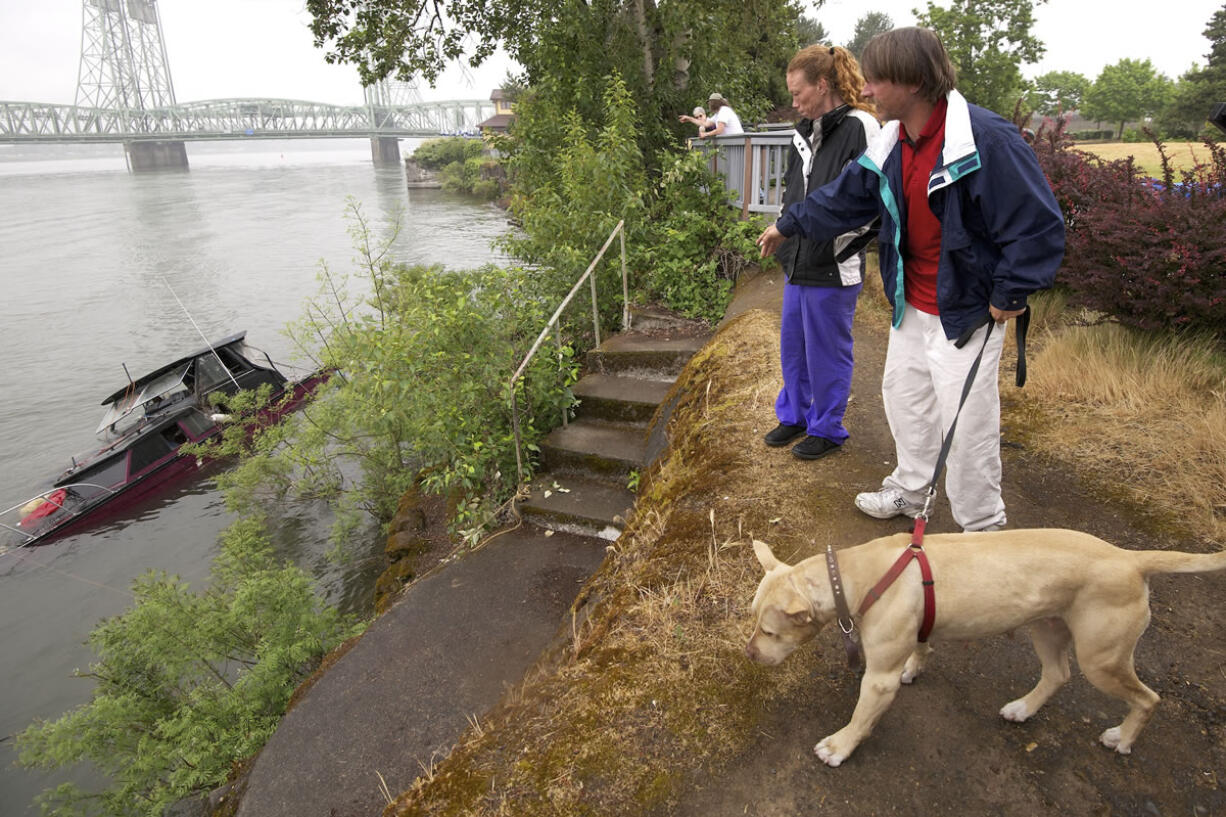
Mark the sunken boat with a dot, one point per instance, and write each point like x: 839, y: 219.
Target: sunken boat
x: 143, y: 428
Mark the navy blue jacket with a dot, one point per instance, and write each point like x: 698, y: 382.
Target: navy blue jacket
x: 1002, y: 233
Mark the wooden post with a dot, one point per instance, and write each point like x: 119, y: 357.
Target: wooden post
x: 748, y: 178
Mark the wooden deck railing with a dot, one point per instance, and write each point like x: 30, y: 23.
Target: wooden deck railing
x: 752, y: 166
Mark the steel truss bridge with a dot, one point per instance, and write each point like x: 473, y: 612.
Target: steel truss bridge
x: 214, y: 119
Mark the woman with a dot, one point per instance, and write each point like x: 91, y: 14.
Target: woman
x: 726, y: 122
x: 823, y: 278
x: 700, y: 119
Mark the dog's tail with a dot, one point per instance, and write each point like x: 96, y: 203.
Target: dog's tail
x: 1174, y: 561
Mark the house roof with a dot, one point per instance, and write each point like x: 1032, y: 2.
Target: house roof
x: 498, y: 121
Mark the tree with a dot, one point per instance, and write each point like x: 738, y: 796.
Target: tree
x: 188, y: 683
x: 867, y: 27
x: 988, y: 41
x: 1200, y: 88
x: 670, y: 55
x: 810, y: 31
x: 1058, y: 92
x: 1126, y: 92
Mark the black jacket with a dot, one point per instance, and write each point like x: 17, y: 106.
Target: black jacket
x: 844, y: 135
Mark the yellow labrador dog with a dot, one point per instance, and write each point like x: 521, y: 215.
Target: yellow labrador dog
x: 1071, y: 587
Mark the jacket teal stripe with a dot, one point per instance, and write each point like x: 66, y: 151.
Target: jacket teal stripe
x: 891, y: 206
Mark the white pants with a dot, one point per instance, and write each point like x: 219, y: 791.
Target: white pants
x: 923, y: 381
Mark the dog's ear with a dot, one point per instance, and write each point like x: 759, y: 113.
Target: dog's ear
x: 765, y: 557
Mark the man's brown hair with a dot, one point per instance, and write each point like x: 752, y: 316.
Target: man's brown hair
x: 910, y: 56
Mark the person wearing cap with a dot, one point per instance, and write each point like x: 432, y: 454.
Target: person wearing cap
x: 727, y: 123
x: 969, y: 230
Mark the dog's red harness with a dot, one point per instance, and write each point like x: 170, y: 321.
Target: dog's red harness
x: 914, y: 551
x: 847, y: 624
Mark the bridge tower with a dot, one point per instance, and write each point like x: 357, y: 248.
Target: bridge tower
x: 388, y: 93
x: 124, y: 68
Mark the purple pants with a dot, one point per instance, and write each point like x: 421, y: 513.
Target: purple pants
x: 815, y: 351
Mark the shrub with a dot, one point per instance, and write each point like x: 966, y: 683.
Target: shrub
x: 421, y: 392
x: 435, y: 154
x: 695, y: 243
x: 1151, y: 255
x: 571, y: 184
x: 189, y: 683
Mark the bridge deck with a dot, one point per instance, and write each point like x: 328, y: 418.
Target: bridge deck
x: 237, y: 119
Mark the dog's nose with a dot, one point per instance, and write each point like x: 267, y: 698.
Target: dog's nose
x: 751, y: 651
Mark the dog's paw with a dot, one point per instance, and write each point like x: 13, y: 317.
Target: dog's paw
x: 909, y: 674
x: 1111, y: 739
x: 828, y: 755
x: 1016, y: 711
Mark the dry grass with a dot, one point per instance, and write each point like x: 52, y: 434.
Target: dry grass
x: 1183, y: 155
x: 1144, y: 415
x: 651, y: 686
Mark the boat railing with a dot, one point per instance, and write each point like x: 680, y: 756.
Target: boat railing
x: 29, y: 536
x: 551, y: 324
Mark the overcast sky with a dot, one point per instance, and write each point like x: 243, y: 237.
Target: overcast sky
x: 262, y: 48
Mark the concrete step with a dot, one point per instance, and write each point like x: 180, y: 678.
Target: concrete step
x: 652, y: 357
x: 590, y: 447
x: 618, y: 398
x: 578, y: 505
x: 650, y: 318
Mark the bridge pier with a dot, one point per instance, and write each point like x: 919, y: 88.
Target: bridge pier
x: 385, y: 150
x: 146, y: 156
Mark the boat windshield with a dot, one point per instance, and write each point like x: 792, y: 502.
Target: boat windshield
x: 156, y: 394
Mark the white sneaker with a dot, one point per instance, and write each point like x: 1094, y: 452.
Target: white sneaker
x: 887, y: 503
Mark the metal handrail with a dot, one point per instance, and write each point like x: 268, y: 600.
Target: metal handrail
x: 619, y: 230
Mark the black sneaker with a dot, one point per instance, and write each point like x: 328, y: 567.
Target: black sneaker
x: 811, y: 448
x: 783, y: 434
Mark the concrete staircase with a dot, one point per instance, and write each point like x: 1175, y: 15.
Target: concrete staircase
x: 587, y: 464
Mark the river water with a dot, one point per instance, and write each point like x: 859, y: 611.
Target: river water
x: 101, y: 268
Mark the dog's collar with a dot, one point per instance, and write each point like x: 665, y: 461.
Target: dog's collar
x: 847, y: 624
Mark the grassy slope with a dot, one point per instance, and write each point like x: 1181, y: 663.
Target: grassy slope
x: 615, y: 721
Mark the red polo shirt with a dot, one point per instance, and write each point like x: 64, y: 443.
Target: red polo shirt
x: 922, y: 236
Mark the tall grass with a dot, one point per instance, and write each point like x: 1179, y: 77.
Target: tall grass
x: 1144, y: 413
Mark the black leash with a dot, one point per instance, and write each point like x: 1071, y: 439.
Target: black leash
x: 1023, y: 327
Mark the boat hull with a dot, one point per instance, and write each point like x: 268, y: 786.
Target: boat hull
x: 158, y: 477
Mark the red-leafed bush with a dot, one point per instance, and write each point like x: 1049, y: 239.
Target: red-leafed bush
x: 1151, y: 253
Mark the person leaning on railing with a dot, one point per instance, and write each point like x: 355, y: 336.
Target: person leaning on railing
x: 969, y: 229
x: 727, y: 123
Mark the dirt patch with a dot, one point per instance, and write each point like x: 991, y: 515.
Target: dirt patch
x: 418, y: 541
x: 649, y: 706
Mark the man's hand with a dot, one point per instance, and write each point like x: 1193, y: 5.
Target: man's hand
x: 769, y: 241
x: 998, y: 315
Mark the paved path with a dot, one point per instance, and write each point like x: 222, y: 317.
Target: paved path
x: 446, y: 651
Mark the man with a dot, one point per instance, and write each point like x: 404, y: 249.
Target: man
x: 969, y: 229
